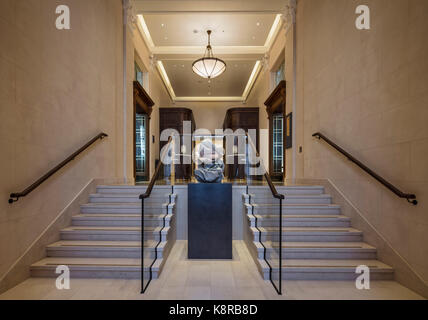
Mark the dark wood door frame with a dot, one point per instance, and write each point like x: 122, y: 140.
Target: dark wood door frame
x: 240, y: 118
x: 143, y: 104
x: 275, y: 104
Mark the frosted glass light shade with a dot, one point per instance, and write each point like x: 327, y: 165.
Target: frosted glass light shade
x: 208, y: 67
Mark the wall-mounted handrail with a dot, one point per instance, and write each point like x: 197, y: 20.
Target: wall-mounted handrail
x: 145, y: 196
x: 411, y: 198
x: 15, y: 196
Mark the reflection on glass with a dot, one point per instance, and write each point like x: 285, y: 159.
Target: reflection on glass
x: 280, y: 74
x: 278, y: 145
x: 138, y: 74
x: 140, y: 140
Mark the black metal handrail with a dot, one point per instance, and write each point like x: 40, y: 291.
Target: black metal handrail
x: 411, y: 198
x: 281, y: 197
x: 14, y: 197
x: 143, y: 197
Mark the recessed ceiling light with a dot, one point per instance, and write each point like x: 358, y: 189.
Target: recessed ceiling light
x: 163, y: 25
x: 258, y: 24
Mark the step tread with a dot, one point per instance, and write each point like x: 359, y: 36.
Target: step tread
x: 310, y: 229
x: 126, y: 195
x: 304, y: 196
x: 294, y: 186
x: 323, y: 263
x: 318, y: 245
x: 122, y: 204
x: 106, y: 244
x: 108, y: 228
x: 301, y: 216
x: 101, y: 216
x: 297, y: 205
x: 94, y: 263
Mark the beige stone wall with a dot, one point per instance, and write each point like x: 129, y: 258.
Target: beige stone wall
x: 368, y: 92
x: 58, y: 89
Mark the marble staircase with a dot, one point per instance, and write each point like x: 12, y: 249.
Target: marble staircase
x: 104, y: 239
x: 318, y: 243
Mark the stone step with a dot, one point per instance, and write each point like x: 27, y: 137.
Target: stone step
x: 294, y: 209
x: 316, y: 250
x: 299, y: 221
x: 113, y: 233
x: 118, y: 268
x: 289, y: 199
x: 287, y: 190
x: 105, y: 249
x: 308, y: 234
x: 134, y: 207
x: 130, y: 198
x: 318, y: 269
x: 121, y: 220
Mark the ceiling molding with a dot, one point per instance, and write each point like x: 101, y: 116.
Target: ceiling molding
x: 207, y: 6
x: 198, y: 50
x: 191, y: 52
x: 165, y: 80
x: 208, y: 99
x: 252, y: 79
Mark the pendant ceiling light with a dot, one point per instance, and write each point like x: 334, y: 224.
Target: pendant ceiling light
x: 209, y: 67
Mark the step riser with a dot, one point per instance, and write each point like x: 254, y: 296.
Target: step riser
x: 122, y: 253
x: 291, y: 201
x: 95, y: 274
x: 119, y: 223
x: 110, y: 237
x: 315, y: 238
x: 266, y: 194
x: 136, y: 210
x: 261, y: 223
x: 323, y: 255
x: 138, y: 190
x: 157, y: 201
x: 295, y: 211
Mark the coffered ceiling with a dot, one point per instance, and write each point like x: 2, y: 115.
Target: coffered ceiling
x: 177, y: 38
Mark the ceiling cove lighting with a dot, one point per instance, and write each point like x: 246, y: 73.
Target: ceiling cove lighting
x: 209, y: 67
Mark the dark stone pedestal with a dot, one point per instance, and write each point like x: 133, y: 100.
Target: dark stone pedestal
x: 210, y: 221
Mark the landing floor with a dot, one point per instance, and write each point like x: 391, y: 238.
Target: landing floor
x: 184, y: 279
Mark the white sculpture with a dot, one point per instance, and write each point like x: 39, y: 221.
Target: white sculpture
x: 210, y: 163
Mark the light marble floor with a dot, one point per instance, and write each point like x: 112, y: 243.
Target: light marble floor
x: 190, y: 279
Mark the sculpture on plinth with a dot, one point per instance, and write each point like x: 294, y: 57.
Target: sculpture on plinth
x: 210, y: 163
